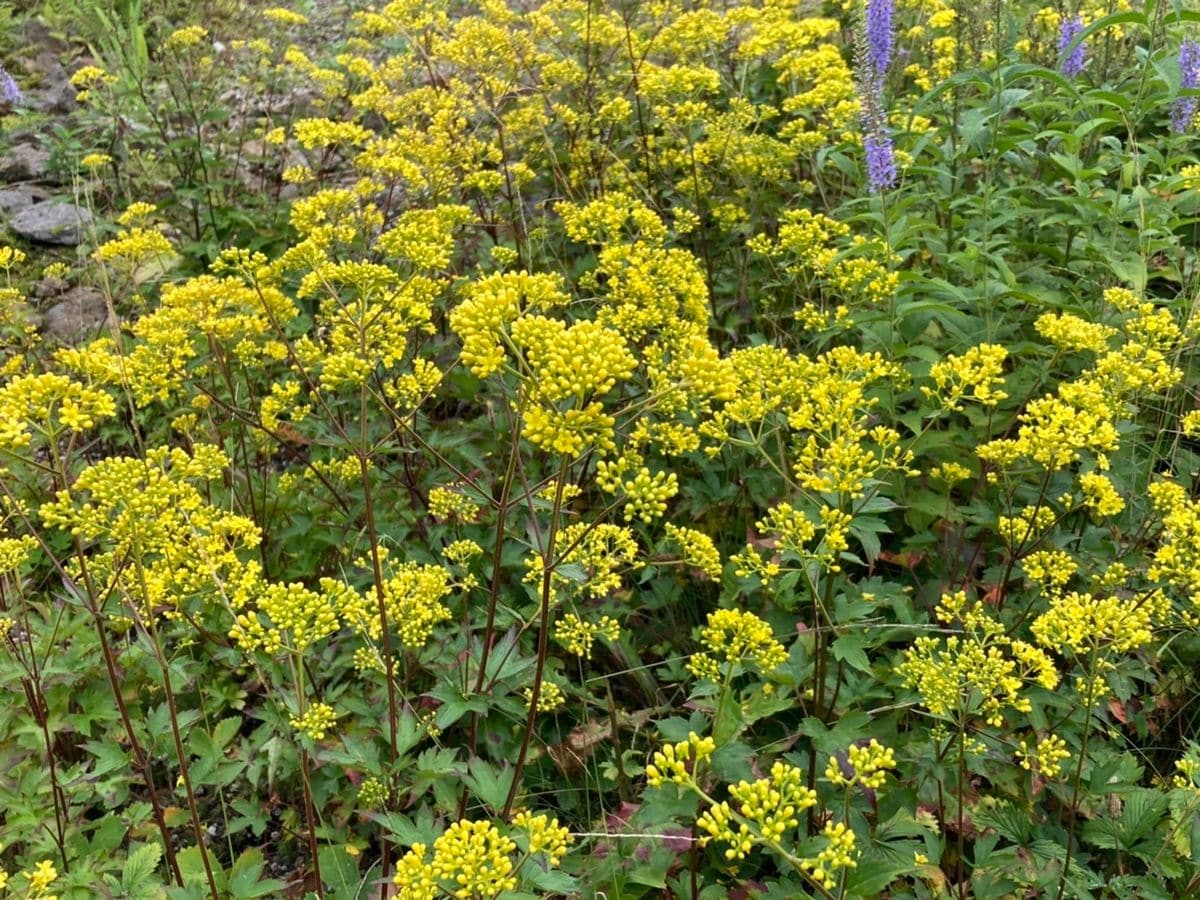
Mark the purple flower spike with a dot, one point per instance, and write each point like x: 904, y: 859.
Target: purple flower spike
x: 881, y: 160
x: 879, y: 38
x: 10, y: 94
x: 1184, y: 110
x: 1072, y: 63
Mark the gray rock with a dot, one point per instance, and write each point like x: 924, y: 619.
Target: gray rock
x: 50, y: 286
x: 56, y: 97
x: 19, y: 197
x: 52, y: 222
x: 81, y: 313
x: 24, y: 162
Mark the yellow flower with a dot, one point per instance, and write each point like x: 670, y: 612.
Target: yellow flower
x: 739, y: 637
x: 671, y: 762
x: 183, y: 38
x: 868, y: 764
x: 545, y: 835
x: 316, y: 721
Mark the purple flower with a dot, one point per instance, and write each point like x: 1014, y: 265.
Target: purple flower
x: 1072, y: 63
x: 10, y: 94
x: 879, y: 38
x: 1184, y: 109
x: 881, y: 159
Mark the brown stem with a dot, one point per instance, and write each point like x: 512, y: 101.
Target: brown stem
x: 543, y: 638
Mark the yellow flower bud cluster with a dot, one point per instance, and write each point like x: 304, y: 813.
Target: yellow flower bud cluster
x: 425, y: 237
x: 413, y: 600
x: 544, y: 835
x: 157, y: 538
x: 577, y: 636
x: 45, y: 404
x: 1084, y: 413
x: 645, y: 494
x: 1070, y: 333
x: 183, y: 38
x: 604, y: 552
x: 134, y: 247
x: 491, y: 306
x: 14, y: 552
x: 286, y: 618
x: 450, y: 503
x: 869, y: 765
x: 697, y: 548
x: 672, y: 761
x: 1048, y: 756
x: 839, y: 853
x: 285, y: 16
x: 977, y: 374
x: 762, y: 811
x: 316, y: 721
x: 323, y: 133
x: 550, y: 697
x: 470, y: 859
x: 1051, y: 569
x: 1100, y: 495
x: 1083, y: 622
x: 972, y: 672
x: 737, y: 637
x: 572, y: 367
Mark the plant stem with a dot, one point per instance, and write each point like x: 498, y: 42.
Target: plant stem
x: 543, y: 636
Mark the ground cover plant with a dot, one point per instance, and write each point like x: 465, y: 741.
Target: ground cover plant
x: 602, y: 449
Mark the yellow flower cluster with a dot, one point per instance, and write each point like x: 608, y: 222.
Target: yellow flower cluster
x: 1083, y: 622
x: 869, y: 764
x: 762, y: 812
x: 982, y: 669
x: 604, y: 552
x: 839, y: 853
x: 736, y: 637
x: 1084, y: 414
x: 577, y: 636
x: 544, y: 835
x: 159, y: 540
x: 1048, y: 756
x: 976, y: 374
x: 1100, y: 495
x: 287, y: 618
x: 491, y: 306
x: 697, y: 548
x: 1069, y: 332
x: 571, y: 367
x: 550, y: 697
x: 672, y: 761
x: 44, y: 405
x: 645, y: 495
x: 451, y: 504
x: 38, y: 881
x: 413, y: 600
x: 425, y: 237
x: 316, y: 721
x: 1176, y: 560
x: 183, y: 38
x: 14, y: 552
x: 472, y: 858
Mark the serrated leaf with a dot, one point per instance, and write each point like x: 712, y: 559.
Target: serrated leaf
x: 139, y: 866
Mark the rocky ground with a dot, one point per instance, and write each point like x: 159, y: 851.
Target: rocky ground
x: 39, y: 207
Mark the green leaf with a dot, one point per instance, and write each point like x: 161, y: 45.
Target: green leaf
x: 489, y: 783
x: 849, y: 649
x: 139, y: 867
x: 245, y: 878
x: 339, y: 871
